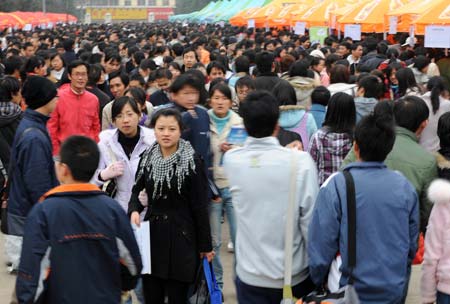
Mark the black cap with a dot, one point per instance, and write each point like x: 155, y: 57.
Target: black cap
x: 38, y: 91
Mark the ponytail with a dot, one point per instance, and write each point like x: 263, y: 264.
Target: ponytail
x: 436, y: 86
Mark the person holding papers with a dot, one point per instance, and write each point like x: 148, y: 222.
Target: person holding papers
x: 176, y: 194
x: 223, y: 121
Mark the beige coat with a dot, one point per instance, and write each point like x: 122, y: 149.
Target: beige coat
x: 216, y: 140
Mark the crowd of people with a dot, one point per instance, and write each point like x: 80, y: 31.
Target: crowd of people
x: 104, y: 127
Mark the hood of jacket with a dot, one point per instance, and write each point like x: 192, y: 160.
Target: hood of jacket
x: 290, y: 116
x: 365, y: 105
x: 439, y: 191
x: 299, y: 82
x: 9, y: 112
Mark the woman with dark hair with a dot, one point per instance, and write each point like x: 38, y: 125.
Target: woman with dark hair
x: 175, y: 69
x: 391, y: 82
x: 292, y: 116
x: 146, y: 108
x: 222, y: 120
x: 443, y: 155
x: 57, y: 69
x: 339, y: 80
x: 437, y: 100
x: 175, y: 185
x: 301, y: 82
x: 407, y: 85
x: 34, y: 65
x: 334, y: 140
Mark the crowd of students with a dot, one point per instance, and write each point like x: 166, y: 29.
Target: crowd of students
x: 146, y: 112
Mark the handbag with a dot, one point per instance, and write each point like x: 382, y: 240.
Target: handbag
x: 110, y: 186
x: 347, y: 294
x: 206, y: 290
x: 289, y: 233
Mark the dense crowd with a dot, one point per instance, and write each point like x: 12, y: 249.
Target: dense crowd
x: 187, y: 125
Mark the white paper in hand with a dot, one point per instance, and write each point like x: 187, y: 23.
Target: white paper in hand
x: 142, y: 235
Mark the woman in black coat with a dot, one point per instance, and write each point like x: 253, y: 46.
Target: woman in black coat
x: 177, y: 195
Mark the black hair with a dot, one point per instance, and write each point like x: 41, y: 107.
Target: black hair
x: 264, y: 62
x: 138, y: 94
x: 120, y: 103
x: 436, y: 85
x: 175, y: 65
x: 421, y: 62
x: 76, y: 63
x: 410, y: 112
x: 9, y: 86
x: 53, y: 56
x: 188, y: 50
x: 123, y: 77
x: 217, y: 65
x: 138, y: 77
x: 95, y: 73
x: 320, y: 95
x: 260, y: 113
x: 138, y: 57
x: 167, y: 112
x: 81, y: 155
x: 373, y: 87
x: 406, y: 80
x: 375, y: 133
x: 370, y: 44
x: 245, y: 81
x: 443, y: 130
x: 148, y: 64
x: 299, y: 68
x: 354, y: 46
x: 178, y: 49
x: 284, y: 94
x: 12, y: 64
x: 382, y: 48
x: 339, y: 74
x: 113, y: 56
x: 331, y: 60
x: 341, y: 114
x: 223, y: 88
x: 29, y: 66
x: 68, y: 44
x: 186, y: 79
x: 242, y: 64
x: 163, y: 73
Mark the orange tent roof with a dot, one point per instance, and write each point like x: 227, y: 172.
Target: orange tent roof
x: 319, y: 14
x: 241, y: 18
x: 371, y: 14
x: 283, y: 18
x: 264, y: 12
x: 439, y: 15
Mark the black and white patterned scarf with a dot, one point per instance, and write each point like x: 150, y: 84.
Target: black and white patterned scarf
x: 162, y: 170
x: 9, y: 111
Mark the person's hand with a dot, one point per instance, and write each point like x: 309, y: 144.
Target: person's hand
x: 113, y: 170
x: 224, y: 147
x: 295, y: 145
x: 143, y: 198
x: 136, y: 218
x: 209, y: 255
x: 216, y: 199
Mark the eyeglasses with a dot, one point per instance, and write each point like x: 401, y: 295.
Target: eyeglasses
x: 79, y: 75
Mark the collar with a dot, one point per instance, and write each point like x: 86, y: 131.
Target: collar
x: 406, y: 133
x: 75, y: 93
x: 253, y: 142
x: 363, y: 164
x: 85, y: 187
x: 36, y: 116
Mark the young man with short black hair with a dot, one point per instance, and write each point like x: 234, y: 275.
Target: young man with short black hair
x: 118, y: 82
x: 370, y: 89
x: 319, y: 102
x: 163, y: 78
x: 78, y: 246
x: 260, y: 172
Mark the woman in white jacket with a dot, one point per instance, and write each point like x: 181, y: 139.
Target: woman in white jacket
x: 120, y: 151
x: 120, y: 148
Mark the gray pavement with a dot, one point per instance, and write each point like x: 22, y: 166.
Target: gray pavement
x: 7, y: 280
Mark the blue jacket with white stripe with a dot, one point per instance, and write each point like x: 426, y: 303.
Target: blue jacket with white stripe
x: 78, y: 247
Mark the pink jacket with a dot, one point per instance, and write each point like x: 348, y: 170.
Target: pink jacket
x: 436, y: 264
x: 74, y: 115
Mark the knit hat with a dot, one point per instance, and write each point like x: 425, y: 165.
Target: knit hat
x: 38, y: 91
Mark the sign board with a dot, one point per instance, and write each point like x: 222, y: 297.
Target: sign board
x: 251, y: 23
x: 411, y: 34
x: 317, y: 34
x: 87, y: 18
x: 299, y: 28
x: 151, y: 17
x: 437, y: 36
x: 393, y: 22
x: 108, y: 18
x: 353, y: 31
x: 27, y: 27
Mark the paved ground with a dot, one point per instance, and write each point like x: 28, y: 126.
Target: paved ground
x: 7, y: 280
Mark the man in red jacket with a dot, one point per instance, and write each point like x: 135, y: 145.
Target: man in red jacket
x: 77, y: 110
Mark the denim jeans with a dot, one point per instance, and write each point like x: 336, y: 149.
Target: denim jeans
x: 442, y: 298
x: 215, y: 215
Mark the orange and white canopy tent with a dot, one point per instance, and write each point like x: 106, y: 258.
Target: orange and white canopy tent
x: 319, y: 14
x: 21, y: 19
x: 410, y: 12
x: 285, y: 16
x: 438, y: 15
x: 371, y: 14
x: 240, y: 18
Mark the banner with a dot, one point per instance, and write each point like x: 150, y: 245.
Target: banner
x: 317, y: 34
x: 437, y: 36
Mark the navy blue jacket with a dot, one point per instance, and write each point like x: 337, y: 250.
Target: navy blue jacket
x: 387, y: 228
x: 32, y: 168
x: 159, y: 98
x: 78, y: 247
